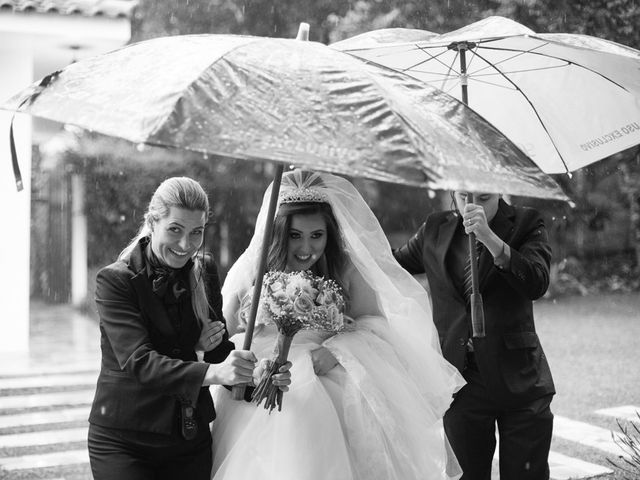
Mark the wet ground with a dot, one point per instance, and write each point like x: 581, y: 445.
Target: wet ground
x: 60, y: 337
x: 591, y: 343
x: 45, y: 395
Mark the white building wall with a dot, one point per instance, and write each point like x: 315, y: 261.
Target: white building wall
x: 32, y: 45
x: 79, y: 269
x: 15, y: 208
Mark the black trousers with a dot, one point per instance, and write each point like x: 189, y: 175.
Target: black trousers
x: 117, y: 454
x: 525, y: 434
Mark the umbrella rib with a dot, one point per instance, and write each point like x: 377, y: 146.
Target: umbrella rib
x: 477, y: 77
x: 523, y: 70
x: 569, y: 62
x: 492, y: 84
x: 492, y: 65
x: 453, y: 85
x: 431, y: 57
x: 484, y: 44
x: 518, y: 53
x: 410, y: 68
x: 450, y: 68
x: 535, y: 111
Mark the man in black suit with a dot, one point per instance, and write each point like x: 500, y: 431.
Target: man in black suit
x: 508, y: 378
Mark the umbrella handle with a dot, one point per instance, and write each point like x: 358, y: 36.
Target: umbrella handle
x: 477, y: 310
x: 477, y: 316
x: 303, y: 32
x: 237, y: 392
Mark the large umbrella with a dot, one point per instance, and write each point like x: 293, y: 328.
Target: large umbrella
x: 566, y: 100
x: 294, y: 102
x: 288, y: 101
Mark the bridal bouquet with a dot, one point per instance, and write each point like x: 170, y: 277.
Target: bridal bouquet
x: 292, y: 301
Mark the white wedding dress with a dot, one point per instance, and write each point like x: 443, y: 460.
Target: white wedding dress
x: 375, y: 416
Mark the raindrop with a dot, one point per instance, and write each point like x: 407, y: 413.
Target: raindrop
x: 572, y: 204
x: 122, y: 218
x: 141, y: 147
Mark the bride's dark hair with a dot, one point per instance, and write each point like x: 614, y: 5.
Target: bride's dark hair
x: 331, y: 264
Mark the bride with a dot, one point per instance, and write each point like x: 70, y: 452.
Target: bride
x: 364, y: 402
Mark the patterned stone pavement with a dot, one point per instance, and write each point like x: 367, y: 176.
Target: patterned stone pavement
x: 45, y: 396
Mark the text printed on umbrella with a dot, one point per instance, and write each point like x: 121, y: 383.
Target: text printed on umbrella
x: 610, y: 137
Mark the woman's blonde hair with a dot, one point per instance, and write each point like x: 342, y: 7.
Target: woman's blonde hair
x: 180, y: 192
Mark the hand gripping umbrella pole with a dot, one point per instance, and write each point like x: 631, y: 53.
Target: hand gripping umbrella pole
x: 237, y: 392
x: 475, y: 302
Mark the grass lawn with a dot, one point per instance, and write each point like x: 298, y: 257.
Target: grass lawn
x: 593, y: 347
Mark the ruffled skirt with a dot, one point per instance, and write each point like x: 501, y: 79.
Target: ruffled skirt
x: 366, y: 419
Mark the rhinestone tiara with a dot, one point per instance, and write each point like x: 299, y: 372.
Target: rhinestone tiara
x: 303, y: 195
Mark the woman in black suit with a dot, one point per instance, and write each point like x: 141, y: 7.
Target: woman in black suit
x: 163, y: 341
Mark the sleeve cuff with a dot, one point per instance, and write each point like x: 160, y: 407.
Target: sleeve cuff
x: 248, y: 391
x: 503, y: 260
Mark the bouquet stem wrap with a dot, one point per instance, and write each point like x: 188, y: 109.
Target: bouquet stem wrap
x: 292, y: 301
x: 266, y: 390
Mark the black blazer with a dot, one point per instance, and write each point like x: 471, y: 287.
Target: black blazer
x: 510, y: 357
x: 148, y: 368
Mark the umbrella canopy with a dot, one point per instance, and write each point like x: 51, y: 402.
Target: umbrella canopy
x: 566, y: 100
x: 385, y: 36
x: 294, y: 102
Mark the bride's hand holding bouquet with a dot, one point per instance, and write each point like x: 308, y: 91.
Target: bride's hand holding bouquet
x: 292, y: 301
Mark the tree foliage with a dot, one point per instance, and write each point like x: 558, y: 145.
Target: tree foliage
x: 333, y: 20
x: 121, y: 178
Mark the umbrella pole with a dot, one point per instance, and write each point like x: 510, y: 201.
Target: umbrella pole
x: 237, y: 392
x: 477, y: 310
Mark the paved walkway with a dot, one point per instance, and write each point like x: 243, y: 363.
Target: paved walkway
x: 45, y: 397
x: 61, y: 339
